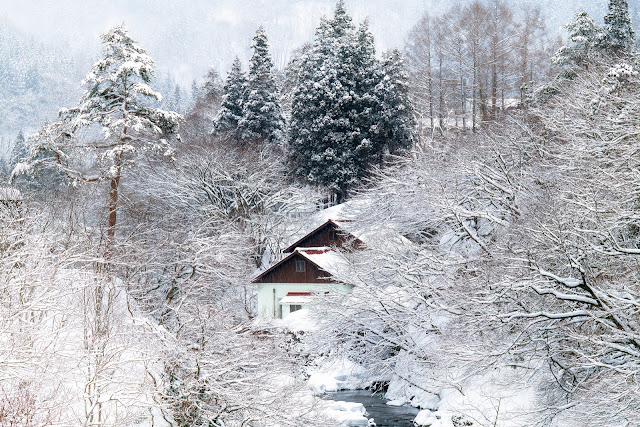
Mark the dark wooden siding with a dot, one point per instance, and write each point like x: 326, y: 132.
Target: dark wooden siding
x: 286, y: 273
x: 323, y: 237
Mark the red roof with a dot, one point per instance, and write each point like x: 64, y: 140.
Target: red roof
x: 298, y: 294
x: 314, y: 251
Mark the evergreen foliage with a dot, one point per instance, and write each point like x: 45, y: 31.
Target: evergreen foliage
x: 232, y: 100
x: 619, y: 31
x: 20, y: 150
x: 396, y: 118
x: 585, y: 36
x: 340, y: 120
x: 262, y: 118
x: 119, y: 102
x: 211, y: 89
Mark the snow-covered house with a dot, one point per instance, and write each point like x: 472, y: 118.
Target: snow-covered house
x: 331, y: 233
x: 306, y: 271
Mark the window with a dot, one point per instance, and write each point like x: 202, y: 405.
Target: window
x: 333, y: 235
x: 294, y: 307
x: 300, y: 266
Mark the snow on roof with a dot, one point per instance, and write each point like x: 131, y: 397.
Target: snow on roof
x: 345, y: 217
x: 295, y: 244
x: 378, y: 237
x: 336, y: 213
x: 10, y: 194
x: 301, y: 298
x: 327, y: 259
x: 324, y: 258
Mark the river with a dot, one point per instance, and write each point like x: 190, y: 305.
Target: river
x: 383, y: 414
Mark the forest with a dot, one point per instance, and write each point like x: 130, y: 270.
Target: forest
x: 488, y: 169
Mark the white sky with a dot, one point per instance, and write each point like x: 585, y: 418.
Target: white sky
x: 189, y: 36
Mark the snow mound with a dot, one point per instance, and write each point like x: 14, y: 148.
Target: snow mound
x: 349, y: 413
x: 341, y: 405
x: 426, y: 418
x: 338, y: 374
x: 321, y: 383
x: 300, y: 320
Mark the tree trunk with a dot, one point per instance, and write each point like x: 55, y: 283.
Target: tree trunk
x: 113, y: 207
x: 473, y: 90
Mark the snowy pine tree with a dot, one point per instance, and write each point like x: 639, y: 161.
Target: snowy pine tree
x: 118, y: 101
x: 262, y: 118
x: 585, y: 35
x: 20, y: 150
x: 212, y: 88
x: 340, y: 122
x: 233, y: 96
x: 195, y: 92
x: 319, y: 129
x: 619, y: 31
x: 396, y: 120
x: 366, y: 105
x: 176, y: 103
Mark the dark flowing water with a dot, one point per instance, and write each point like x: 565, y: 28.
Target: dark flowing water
x: 383, y: 414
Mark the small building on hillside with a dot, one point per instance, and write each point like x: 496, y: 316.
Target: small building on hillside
x: 309, y: 265
x: 305, y: 272
x: 331, y: 233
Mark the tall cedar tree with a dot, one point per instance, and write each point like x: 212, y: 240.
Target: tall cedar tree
x: 339, y: 120
x: 233, y: 98
x: 319, y: 130
x: 20, y: 150
x: 620, y: 34
x: 212, y: 88
x: 120, y: 102
x: 262, y: 118
x: 397, y: 115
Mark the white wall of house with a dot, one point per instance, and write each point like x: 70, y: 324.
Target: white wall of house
x: 270, y: 294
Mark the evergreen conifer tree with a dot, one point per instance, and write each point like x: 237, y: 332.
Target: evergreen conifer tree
x: 212, y: 88
x: 195, y: 91
x: 619, y: 31
x: 20, y: 150
x: 262, y: 118
x: 319, y: 129
x: 368, y: 105
x: 585, y: 35
x: 119, y: 101
x: 396, y: 120
x: 339, y: 120
x: 233, y: 96
x: 176, y: 101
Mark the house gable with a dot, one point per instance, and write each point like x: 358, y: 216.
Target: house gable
x: 286, y: 271
x: 327, y: 235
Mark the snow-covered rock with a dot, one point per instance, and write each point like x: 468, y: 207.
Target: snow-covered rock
x: 341, y: 405
x: 348, y: 413
x: 425, y: 418
x: 338, y: 374
x: 322, y: 383
x: 300, y: 320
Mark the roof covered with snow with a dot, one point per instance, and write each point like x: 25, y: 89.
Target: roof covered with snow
x: 325, y: 258
x: 345, y: 217
x: 377, y: 237
x: 301, y: 298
